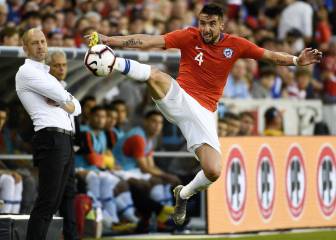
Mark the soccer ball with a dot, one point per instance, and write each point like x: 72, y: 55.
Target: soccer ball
x: 100, y: 60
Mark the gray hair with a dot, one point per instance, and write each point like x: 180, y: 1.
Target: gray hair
x: 93, y: 14
x: 54, y: 53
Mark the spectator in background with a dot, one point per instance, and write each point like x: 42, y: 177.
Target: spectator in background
x: 29, y: 6
x: 247, y: 122
x: 262, y: 88
x: 10, y: 37
x: 180, y: 7
x: 87, y: 103
x: 55, y: 38
x: 302, y: 88
x: 10, y: 191
x: 32, y: 20
x: 85, y: 6
x: 10, y: 143
x: 298, y: 15
x: 222, y: 127
x: 3, y: 15
x: 90, y: 159
x: 137, y: 26
x: 165, y: 10
x: 94, y: 19
x: 236, y: 85
x: 122, y: 122
x: 295, y: 40
x: 101, y: 185
x: 273, y: 122
x: 81, y: 25
x: 105, y: 26
x: 148, y: 14
x: 71, y: 19
x: 233, y: 124
x: 122, y: 25
x: 58, y: 68
x: 328, y: 67
x: 69, y: 41
x: 14, y: 7
x: 174, y: 24
x: 135, y: 149
x: 323, y: 32
x: 10, y: 181
x: 49, y: 22
x: 60, y: 21
x: 110, y: 131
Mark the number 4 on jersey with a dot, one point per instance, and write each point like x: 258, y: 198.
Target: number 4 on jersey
x: 199, y: 58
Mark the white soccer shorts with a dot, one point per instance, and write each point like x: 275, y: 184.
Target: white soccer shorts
x: 198, y: 124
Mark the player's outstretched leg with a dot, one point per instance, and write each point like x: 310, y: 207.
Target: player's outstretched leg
x: 158, y: 82
x: 211, y: 169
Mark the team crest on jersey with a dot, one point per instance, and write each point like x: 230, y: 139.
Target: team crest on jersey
x: 228, y: 52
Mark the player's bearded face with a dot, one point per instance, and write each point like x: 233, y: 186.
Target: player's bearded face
x: 210, y: 27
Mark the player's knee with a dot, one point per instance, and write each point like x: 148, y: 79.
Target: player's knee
x: 213, y: 173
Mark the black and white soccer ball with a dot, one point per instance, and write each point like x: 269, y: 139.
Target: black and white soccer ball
x: 100, y: 60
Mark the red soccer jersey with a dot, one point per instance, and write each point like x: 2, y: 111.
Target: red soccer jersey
x: 204, y: 67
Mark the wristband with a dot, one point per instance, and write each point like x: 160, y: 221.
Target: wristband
x: 295, y: 61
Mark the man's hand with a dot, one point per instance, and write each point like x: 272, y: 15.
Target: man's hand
x: 52, y: 102
x: 96, y: 38
x: 172, y: 179
x: 309, y: 56
x: 17, y: 177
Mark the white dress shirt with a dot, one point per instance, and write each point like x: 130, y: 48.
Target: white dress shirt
x: 297, y: 15
x: 34, y: 85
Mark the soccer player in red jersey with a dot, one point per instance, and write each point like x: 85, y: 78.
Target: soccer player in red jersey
x: 207, y: 56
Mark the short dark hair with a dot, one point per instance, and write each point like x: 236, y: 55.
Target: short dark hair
x: 117, y: 102
x: 223, y: 120
x: 151, y: 113
x: 270, y: 114
x: 212, y: 9
x: 32, y: 14
x: 110, y: 108
x: 267, y: 71
x: 9, y: 31
x: 246, y: 113
x: 86, y: 99
x: 230, y: 115
x: 3, y: 107
x: 47, y: 16
x: 97, y: 108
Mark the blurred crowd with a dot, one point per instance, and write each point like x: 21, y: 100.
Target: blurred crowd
x: 280, y: 25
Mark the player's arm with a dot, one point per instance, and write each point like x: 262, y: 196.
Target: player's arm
x: 307, y: 56
x: 141, y: 41
x: 135, y: 147
x: 147, y: 168
x: 151, y: 164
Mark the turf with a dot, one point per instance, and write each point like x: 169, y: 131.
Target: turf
x: 322, y: 235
